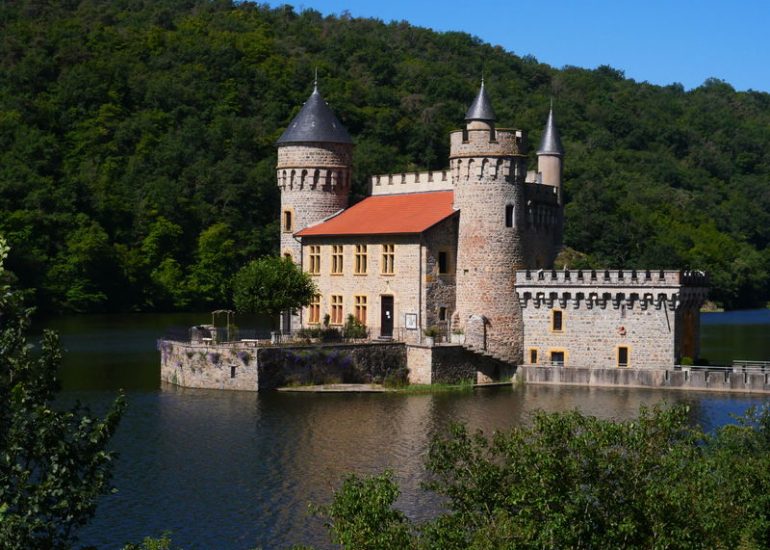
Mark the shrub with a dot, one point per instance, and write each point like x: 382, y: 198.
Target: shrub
x: 354, y: 329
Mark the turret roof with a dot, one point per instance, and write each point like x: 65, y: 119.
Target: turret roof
x: 550, y: 143
x: 315, y: 122
x: 481, y: 108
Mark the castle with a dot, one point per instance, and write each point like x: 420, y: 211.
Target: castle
x: 468, y: 250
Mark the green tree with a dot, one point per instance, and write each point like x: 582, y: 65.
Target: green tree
x: 54, y: 463
x: 271, y: 285
x: 574, y: 481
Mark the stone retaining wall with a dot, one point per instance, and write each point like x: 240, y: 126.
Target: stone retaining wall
x: 241, y: 366
x: 701, y: 380
x: 452, y: 364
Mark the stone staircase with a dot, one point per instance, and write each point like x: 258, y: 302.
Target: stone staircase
x: 482, y: 352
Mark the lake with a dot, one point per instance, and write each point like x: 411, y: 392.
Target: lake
x: 237, y: 469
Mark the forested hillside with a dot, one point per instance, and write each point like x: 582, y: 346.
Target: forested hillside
x: 137, y: 145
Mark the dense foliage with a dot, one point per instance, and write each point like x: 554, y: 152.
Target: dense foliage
x: 137, y: 144
x: 271, y: 285
x: 53, y: 463
x: 573, y: 481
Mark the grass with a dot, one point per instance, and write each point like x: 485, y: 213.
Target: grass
x: 435, y: 388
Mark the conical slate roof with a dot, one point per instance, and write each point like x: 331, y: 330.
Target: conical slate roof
x: 550, y: 143
x: 481, y: 108
x: 315, y: 122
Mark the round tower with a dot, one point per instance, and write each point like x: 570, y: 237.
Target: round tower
x: 313, y: 170
x: 488, y: 170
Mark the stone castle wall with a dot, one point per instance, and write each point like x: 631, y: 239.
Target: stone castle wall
x: 650, y: 313
x: 488, y: 171
x: 416, y: 285
x: 246, y: 367
x: 403, y: 284
x: 684, y: 379
x: 314, y: 180
x: 410, y: 182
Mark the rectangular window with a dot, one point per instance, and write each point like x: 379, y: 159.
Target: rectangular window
x: 533, y: 356
x: 388, y: 259
x: 508, y: 215
x: 336, y: 309
x: 622, y: 356
x: 360, y: 309
x: 557, y: 358
x: 442, y: 313
x: 314, y: 310
x: 336, y: 259
x: 314, y: 267
x: 557, y: 324
x: 360, y: 257
x: 443, y: 262
x: 287, y: 220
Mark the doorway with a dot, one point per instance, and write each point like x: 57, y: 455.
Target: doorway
x: 386, y: 316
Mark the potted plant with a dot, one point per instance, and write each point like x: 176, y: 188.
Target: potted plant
x: 430, y: 335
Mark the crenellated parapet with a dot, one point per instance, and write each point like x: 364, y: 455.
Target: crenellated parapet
x: 614, y: 289
x: 487, y: 143
x: 334, y: 179
x: 411, y: 182
x: 626, y: 277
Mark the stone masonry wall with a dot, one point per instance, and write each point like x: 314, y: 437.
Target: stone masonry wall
x: 242, y: 366
x: 452, y: 364
x: 416, y: 286
x: 602, y: 311
x: 410, y: 182
x: 314, y: 180
x: 488, y: 251
x: 591, y: 337
x: 439, y: 289
x: 206, y: 366
x: 733, y: 382
x: 403, y: 284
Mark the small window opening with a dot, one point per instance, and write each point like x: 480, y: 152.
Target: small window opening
x: 287, y: 222
x: 508, y: 215
x: 232, y: 371
x: 622, y: 356
x: 442, y: 313
x: 443, y: 262
x: 533, y: 356
x: 557, y: 358
x: 556, y: 324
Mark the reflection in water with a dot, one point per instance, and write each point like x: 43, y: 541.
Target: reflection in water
x: 237, y: 470
x: 231, y: 469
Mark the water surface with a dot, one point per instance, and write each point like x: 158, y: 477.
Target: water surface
x: 238, y: 469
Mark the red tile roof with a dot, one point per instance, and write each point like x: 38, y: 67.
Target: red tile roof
x: 388, y: 215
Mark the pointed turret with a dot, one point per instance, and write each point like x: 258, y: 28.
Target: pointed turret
x: 550, y: 155
x: 550, y: 144
x: 481, y: 108
x: 315, y: 123
x: 313, y: 171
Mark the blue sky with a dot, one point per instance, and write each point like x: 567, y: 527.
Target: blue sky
x: 662, y: 42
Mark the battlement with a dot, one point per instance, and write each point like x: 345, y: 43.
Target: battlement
x: 611, y: 277
x: 410, y: 182
x: 611, y: 288
x: 487, y: 142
